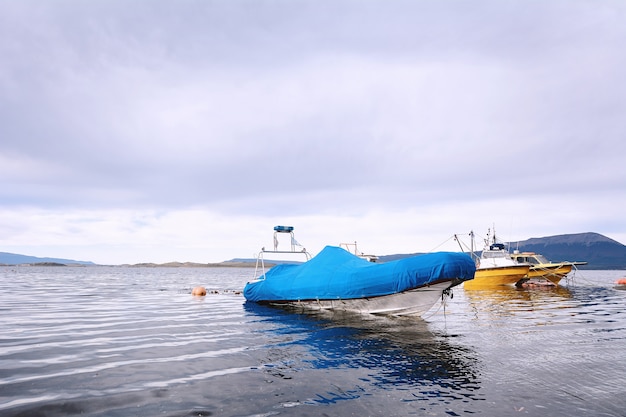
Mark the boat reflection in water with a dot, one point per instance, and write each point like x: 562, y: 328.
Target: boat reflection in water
x: 353, y: 355
x: 508, y: 301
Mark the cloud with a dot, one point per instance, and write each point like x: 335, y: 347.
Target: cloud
x: 441, y: 114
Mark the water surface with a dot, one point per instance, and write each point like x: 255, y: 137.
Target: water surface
x: 119, y: 341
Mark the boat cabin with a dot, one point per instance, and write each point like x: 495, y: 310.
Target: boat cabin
x: 496, y: 250
x: 530, y: 258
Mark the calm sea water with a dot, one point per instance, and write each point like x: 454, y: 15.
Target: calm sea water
x: 116, y: 341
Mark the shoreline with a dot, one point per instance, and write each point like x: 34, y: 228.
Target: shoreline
x: 145, y: 265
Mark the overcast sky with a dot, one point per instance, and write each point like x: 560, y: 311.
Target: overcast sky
x: 185, y: 130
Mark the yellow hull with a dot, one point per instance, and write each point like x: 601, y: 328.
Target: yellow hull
x: 550, y: 272
x: 496, y: 277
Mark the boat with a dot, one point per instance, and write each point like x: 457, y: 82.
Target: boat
x: 336, y: 279
x: 494, y: 266
x: 542, y: 271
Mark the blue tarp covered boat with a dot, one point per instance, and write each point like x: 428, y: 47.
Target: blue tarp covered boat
x: 336, y: 279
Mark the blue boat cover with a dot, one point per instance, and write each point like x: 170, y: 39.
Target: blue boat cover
x: 337, y: 274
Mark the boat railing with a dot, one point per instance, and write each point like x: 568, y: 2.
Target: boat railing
x: 352, y: 248
x: 293, y: 243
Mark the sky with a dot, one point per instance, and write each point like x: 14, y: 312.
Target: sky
x: 185, y: 130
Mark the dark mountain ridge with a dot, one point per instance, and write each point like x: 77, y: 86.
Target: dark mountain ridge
x: 600, y: 252
x: 587, y: 239
x: 15, y: 259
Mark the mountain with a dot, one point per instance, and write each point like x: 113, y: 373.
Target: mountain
x: 600, y: 252
x: 15, y: 259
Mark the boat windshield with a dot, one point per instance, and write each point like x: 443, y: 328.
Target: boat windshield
x: 539, y: 259
x: 494, y: 254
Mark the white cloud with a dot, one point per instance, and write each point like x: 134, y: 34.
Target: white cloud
x: 425, y: 119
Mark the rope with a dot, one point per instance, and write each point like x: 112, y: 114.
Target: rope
x: 571, y: 280
x: 442, y: 243
x: 444, y: 297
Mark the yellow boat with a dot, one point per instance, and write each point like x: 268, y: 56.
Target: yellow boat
x: 496, y: 268
x: 542, y: 271
x: 496, y: 277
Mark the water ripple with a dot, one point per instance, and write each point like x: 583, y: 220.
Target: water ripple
x: 111, y: 341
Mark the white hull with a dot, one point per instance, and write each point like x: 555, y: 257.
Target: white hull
x: 408, y: 303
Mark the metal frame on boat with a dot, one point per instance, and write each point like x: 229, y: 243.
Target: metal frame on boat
x: 280, y: 230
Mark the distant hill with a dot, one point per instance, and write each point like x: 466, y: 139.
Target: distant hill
x: 15, y: 259
x: 270, y: 262
x: 600, y: 252
x: 226, y: 264
x: 395, y: 257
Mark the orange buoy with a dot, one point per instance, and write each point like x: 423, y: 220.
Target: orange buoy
x: 621, y: 281
x: 198, y: 291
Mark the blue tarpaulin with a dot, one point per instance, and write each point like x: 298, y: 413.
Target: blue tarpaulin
x: 337, y: 274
